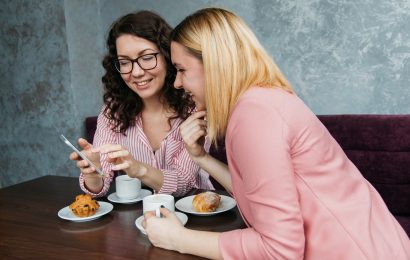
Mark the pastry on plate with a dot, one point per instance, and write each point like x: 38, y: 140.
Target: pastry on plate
x: 84, y: 206
x: 206, y: 201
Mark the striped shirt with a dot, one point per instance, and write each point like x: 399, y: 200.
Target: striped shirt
x: 181, y: 174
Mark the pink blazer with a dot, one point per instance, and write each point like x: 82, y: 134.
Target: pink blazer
x: 299, y: 194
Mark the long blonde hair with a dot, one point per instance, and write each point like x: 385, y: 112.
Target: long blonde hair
x: 233, y: 60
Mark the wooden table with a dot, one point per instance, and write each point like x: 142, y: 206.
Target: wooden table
x: 31, y: 229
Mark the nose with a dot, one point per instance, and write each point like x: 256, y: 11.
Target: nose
x: 177, y: 82
x: 136, y: 70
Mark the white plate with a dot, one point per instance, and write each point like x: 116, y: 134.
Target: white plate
x: 67, y: 214
x: 181, y: 216
x: 185, y: 205
x: 114, y: 198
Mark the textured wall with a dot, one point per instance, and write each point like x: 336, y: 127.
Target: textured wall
x: 341, y: 57
x: 85, y: 42
x: 35, y: 94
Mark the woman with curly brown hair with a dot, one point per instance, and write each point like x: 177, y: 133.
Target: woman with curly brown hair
x: 138, y: 126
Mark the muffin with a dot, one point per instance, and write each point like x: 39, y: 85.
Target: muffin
x: 84, y: 206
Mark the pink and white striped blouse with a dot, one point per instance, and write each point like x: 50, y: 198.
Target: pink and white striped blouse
x: 181, y: 174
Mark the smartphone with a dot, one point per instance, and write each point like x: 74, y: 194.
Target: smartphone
x: 68, y: 143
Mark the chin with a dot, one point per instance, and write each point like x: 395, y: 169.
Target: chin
x: 147, y: 92
x: 200, y: 107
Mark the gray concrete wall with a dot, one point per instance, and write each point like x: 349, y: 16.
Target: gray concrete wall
x: 36, y: 95
x: 341, y: 56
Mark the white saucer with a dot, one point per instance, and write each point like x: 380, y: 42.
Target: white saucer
x: 114, y: 198
x: 185, y: 205
x: 67, y: 214
x: 181, y: 216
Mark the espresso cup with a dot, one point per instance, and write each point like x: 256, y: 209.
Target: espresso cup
x: 127, y: 188
x: 155, y: 201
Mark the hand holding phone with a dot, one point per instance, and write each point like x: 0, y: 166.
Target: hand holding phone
x: 68, y: 143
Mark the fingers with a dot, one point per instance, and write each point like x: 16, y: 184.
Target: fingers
x: 85, y: 168
x: 122, y: 153
x: 195, y: 125
x: 149, y: 214
x: 191, y: 126
x: 107, y: 148
x: 166, y: 212
x: 198, y: 114
x: 113, y: 151
x: 193, y: 117
x: 84, y: 144
x: 74, y: 156
x: 195, y: 138
x: 121, y: 166
x: 191, y: 133
x: 83, y: 165
x: 121, y: 159
x: 197, y: 118
x: 116, y: 154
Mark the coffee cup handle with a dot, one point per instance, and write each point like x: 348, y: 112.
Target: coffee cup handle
x: 157, y: 213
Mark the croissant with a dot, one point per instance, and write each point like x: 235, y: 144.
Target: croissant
x: 84, y: 206
x: 206, y: 201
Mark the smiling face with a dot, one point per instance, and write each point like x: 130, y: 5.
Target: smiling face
x: 190, y: 74
x: 145, y: 83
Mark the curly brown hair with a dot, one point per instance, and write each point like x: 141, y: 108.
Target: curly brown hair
x: 122, y: 104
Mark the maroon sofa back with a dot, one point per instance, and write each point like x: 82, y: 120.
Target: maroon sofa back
x: 379, y: 146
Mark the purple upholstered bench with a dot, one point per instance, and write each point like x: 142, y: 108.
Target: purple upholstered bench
x: 379, y: 145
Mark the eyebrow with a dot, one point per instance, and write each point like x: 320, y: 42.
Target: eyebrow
x: 139, y: 53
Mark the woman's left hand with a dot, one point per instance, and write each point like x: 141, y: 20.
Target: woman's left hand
x: 163, y: 232
x: 193, y: 132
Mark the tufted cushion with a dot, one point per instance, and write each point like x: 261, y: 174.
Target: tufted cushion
x: 379, y: 145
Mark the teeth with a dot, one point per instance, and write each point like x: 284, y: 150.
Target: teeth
x: 141, y: 83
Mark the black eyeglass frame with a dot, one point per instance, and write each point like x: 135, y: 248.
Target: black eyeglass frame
x: 136, y: 60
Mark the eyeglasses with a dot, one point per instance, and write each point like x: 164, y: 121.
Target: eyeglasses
x: 146, y: 62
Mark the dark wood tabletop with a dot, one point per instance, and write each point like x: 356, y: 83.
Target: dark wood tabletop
x: 31, y: 229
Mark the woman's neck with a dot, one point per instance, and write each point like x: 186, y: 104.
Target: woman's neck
x: 156, y: 107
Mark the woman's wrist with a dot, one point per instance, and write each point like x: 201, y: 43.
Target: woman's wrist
x: 202, y: 160
x: 200, y: 243
x: 94, y: 182
x: 179, y: 242
x: 140, y: 171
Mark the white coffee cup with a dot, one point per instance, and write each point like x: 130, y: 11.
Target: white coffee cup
x: 126, y: 187
x: 155, y: 201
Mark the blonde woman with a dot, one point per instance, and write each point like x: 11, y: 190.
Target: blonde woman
x: 298, y: 193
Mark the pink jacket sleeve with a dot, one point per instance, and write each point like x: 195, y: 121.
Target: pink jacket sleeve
x: 259, y: 156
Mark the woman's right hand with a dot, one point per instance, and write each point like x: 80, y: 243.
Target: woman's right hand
x: 193, y: 132
x: 163, y: 232
x: 83, y: 165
